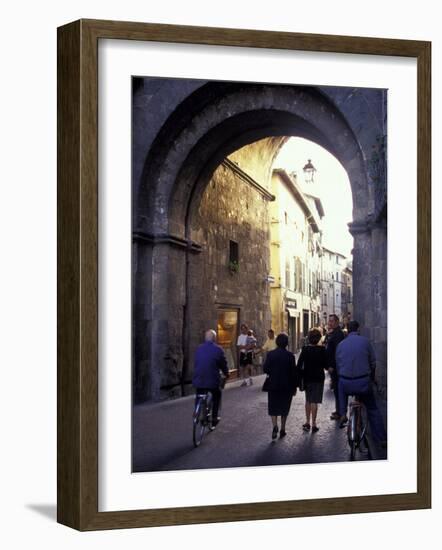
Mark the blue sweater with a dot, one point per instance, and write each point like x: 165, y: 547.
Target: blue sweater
x: 355, y: 356
x: 209, y: 361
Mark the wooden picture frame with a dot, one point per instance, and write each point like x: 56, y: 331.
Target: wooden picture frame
x: 78, y: 274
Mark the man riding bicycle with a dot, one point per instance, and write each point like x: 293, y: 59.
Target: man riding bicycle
x: 209, y: 362
x: 356, y: 363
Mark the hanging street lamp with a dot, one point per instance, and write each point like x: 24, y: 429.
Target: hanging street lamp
x: 309, y: 171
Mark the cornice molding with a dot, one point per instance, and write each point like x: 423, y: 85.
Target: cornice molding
x: 248, y: 179
x: 172, y: 240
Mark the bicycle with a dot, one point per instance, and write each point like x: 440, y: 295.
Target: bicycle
x: 357, y: 429
x: 202, y: 416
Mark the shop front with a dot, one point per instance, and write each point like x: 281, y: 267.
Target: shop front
x: 228, y: 330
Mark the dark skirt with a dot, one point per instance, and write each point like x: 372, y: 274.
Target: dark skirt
x: 279, y: 402
x: 314, y: 391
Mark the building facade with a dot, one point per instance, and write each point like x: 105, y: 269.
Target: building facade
x: 335, y: 280
x: 295, y: 259
x: 347, y: 293
x: 227, y: 280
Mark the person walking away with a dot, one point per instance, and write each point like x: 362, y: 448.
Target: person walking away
x: 251, y: 343
x: 210, y: 361
x: 241, y: 345
x: 334, y: 337
x: 356, y: 365
x: 282, y: 381
x: 312, y: 363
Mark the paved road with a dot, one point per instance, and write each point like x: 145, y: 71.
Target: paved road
x: 163, y: 434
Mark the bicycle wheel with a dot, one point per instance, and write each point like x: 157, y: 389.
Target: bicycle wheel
x: 364, y: 445
x: 352, y: 433
x: 199, y: 424
x: 352, y: 450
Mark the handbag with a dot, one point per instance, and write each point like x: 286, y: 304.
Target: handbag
x: 300, y: 376
x: 301, y: 384
x: 266, y: 385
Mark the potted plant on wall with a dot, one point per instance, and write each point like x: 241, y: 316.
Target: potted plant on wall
x: 233, y: 266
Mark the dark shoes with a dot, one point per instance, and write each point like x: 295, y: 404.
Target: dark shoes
x: 343, y: 423
x: 282, y: 433
x: 306, y: 428
x: 334, y: 416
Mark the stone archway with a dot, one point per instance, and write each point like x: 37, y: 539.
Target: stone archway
x: 204, y: 129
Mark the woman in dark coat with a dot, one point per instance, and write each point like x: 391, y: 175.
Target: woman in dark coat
x: 281, y: 383
x: 312, y: 363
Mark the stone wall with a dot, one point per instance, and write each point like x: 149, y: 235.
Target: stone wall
x: 230, y: 210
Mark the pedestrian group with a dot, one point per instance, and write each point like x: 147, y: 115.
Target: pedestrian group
x: 349, y: 360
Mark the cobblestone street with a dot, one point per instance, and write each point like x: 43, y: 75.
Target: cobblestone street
x: 163, y: 434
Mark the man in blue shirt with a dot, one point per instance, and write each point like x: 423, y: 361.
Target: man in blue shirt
x: 356, y: 364
x: 209, y: 362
